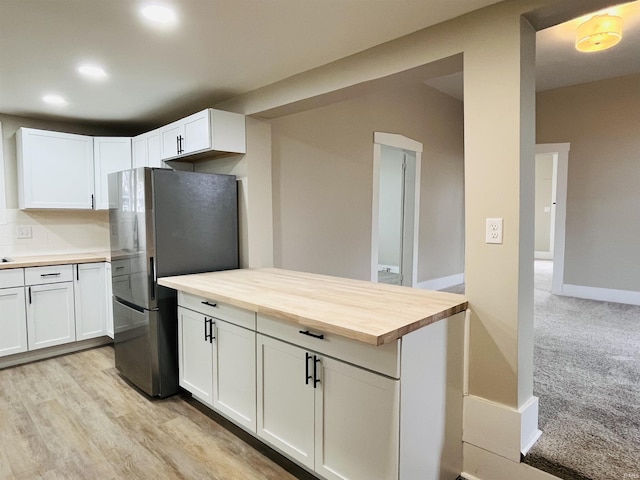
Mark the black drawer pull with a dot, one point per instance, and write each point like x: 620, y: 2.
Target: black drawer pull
x: 314, y: 335
x: 50, y: 274
x: 209, y: 304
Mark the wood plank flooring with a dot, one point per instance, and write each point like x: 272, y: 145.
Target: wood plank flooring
x: 74, y: 417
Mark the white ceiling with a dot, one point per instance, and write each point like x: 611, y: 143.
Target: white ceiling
x: 221, y: 48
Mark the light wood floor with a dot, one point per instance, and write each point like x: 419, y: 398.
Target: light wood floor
x: 74, y: 417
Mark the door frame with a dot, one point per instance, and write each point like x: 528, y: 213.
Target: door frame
x: 404, y: 143
x: 560, y: 151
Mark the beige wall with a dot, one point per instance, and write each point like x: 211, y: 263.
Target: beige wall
x: 323, y: 181
x: 600, y: 120
x: 54, y: 231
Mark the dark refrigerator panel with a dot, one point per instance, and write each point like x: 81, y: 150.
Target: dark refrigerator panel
x: 195, y: 233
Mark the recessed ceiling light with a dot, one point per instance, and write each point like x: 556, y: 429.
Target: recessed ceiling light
x: 159, y: 15
x: 54, y: 99
x: 92, y: 71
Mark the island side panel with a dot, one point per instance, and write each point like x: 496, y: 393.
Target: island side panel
x: 432, y: 367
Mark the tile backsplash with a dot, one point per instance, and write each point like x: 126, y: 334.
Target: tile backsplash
x: 54, y: 231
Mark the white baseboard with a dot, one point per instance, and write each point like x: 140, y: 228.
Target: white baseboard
x: 500, y: 429
x: 480, y: 464
x: 602, y: 294
x: 442, y: 282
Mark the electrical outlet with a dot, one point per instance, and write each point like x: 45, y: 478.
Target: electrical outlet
x: 24, y: 231
x: 494, y: 230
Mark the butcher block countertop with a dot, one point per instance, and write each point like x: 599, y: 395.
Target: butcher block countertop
x: 58, y: 259
x: 368, y: 312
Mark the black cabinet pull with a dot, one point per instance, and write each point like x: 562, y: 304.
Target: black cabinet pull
x: 93, y: 204
x: 314, y: 335
x: 29, y: 295
x: 209, y: 304
x: 43, y: 275
x: 206, y: 330
x: 211, y: 324
x: 307, y: 377
x: 316, y: 380
x: 78, y: 273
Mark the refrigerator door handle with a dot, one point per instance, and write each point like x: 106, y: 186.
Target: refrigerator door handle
x: 152, y: 278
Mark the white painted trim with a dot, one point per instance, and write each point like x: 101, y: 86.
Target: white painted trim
x: 488, y: 466
x: 398, y: 141
x: 602, y: 294
x: 442, y: 282
x: 500, y: 429
x: 3, y: 187
x: 543, y: 255
x: 561, y: 151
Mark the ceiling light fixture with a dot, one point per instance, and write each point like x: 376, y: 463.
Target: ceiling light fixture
x: 159, y: 15
x: 599, y: 33
x: 54, y: 99
x: 92, y: 71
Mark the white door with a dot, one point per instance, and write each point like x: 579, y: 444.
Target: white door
x: 286, y: 399
x: 90, y: 300
x: 13, y: 321
x: 195, y: 355
x: 545, y: 204
x: 50, y: 315
x: 357, y: 423
x: 111, y: 154
x: 234, y: 376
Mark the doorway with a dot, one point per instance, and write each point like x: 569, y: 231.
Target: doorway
x: 396, y: 195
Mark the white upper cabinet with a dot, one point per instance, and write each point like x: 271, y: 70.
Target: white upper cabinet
x: 208, y: 131
x: 110, y: 154
x: 55, y: 170
x: 146, y: 150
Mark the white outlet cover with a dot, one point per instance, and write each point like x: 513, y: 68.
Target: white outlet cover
x: 493, y: 232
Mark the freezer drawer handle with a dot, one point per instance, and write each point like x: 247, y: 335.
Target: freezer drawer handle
x: 50, y: 274
x: 210, y: 304
x: 314, y: 335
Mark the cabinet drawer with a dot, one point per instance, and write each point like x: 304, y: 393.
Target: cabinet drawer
x: 384, y: 359
x: 12, y: 278
x: 52, y: 274
x: 237, y: 316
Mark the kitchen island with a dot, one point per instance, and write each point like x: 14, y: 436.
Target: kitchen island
x: 350, y: 379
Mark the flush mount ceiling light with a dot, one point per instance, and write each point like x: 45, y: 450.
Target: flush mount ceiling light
x: 159, y: 15
x: 92, y: 71
x: 599, y: 33
x: 54, y: 99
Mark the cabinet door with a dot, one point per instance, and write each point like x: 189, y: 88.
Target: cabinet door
x: 197, y: 132
x: 234, y: 376
x: 13, y: 321
x: 50, y: 315
x: 170, y: 139
x: 55, y: 170
x: 285, y: 399
x: 357, y: 423
x: 146, y: 150
x: 110, y: 154
x: 90, y: 301
x: 195, y: 355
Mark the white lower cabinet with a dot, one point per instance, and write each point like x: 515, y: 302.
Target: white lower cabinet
x: 337, y: 419
x: 217, y: 364
x: 90, y: 300
x: 13, y: 338
x: 50, y: 315
x: 195, y: 359
x: 109, y: 301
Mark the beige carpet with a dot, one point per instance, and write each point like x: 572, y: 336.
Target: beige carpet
x: 587, y: 377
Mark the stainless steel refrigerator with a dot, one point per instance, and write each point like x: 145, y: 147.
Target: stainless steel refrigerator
x: 163, y: 222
